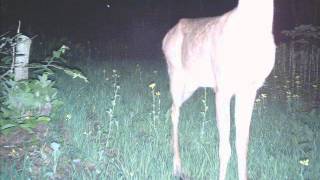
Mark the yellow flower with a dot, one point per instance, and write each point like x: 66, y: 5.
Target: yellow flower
x: 13, y: 153
x: 158, y: 93
x: 68, y: 117
x: 152, y: 85
x: 304, y: 162
x: 295, y: 96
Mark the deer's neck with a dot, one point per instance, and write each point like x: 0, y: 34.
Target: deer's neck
x: 258, y: 13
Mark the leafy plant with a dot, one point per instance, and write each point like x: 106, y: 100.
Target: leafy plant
x: 27, y: 103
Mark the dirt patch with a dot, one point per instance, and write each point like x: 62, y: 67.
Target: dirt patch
x: 13, y: 145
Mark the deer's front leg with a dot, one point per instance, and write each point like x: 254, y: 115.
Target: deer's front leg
x: 243, y: 109
x: 223, y: 125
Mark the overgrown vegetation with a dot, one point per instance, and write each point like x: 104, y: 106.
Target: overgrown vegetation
x: 117, y: 126
x: 298, y: 69
x: 26, y: 103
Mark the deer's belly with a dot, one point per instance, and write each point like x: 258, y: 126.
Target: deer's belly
x: 199, y: 72
x: 238, y: 67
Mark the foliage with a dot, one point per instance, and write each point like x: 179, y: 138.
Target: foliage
x: 26, y: 103
x: 130, y: 145
x: 298, y: 60
x: 56, y: 61
x: 304, y: 33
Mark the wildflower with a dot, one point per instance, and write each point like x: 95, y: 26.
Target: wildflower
x: 158, y: 93
x: 263, y: 95
x: 152, y: 85
x: 64, y: 48
x: 68, y: 116
x: 55, y: 146
x: 295, y: 96
x: 304, y: 162
x: 13, y: 153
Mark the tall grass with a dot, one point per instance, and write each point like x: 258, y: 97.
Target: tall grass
x: 117, y: 127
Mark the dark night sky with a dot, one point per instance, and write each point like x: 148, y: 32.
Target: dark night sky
x: 90, y: 16
x: 133, y: 22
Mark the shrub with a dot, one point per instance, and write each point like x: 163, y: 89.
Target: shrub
x: 26, y: 103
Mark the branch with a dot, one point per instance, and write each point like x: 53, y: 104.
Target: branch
x: 4, y: 34
x: 5, y: 74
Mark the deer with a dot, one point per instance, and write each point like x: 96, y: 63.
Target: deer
x: 232, y: 54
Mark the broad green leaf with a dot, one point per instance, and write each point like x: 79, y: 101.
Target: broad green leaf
x: 7, y: 126
x: 27, y: 127
x: 56, y: 54
x: 43, y: 119
x: 75, y: 74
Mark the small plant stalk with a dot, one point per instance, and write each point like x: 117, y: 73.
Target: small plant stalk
x: 204, y: 113
x: 114, y: 101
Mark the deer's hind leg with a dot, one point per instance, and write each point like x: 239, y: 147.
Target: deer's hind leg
x: 180, y: 92
x: 243, y: 109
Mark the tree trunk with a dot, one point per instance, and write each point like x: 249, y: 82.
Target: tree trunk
x: 22, y: 57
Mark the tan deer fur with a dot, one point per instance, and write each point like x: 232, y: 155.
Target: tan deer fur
x: 233, y: 54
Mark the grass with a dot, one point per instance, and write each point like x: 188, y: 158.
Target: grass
x: 117, y: 127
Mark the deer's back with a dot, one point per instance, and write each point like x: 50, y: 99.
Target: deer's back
x: 218, y: 51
